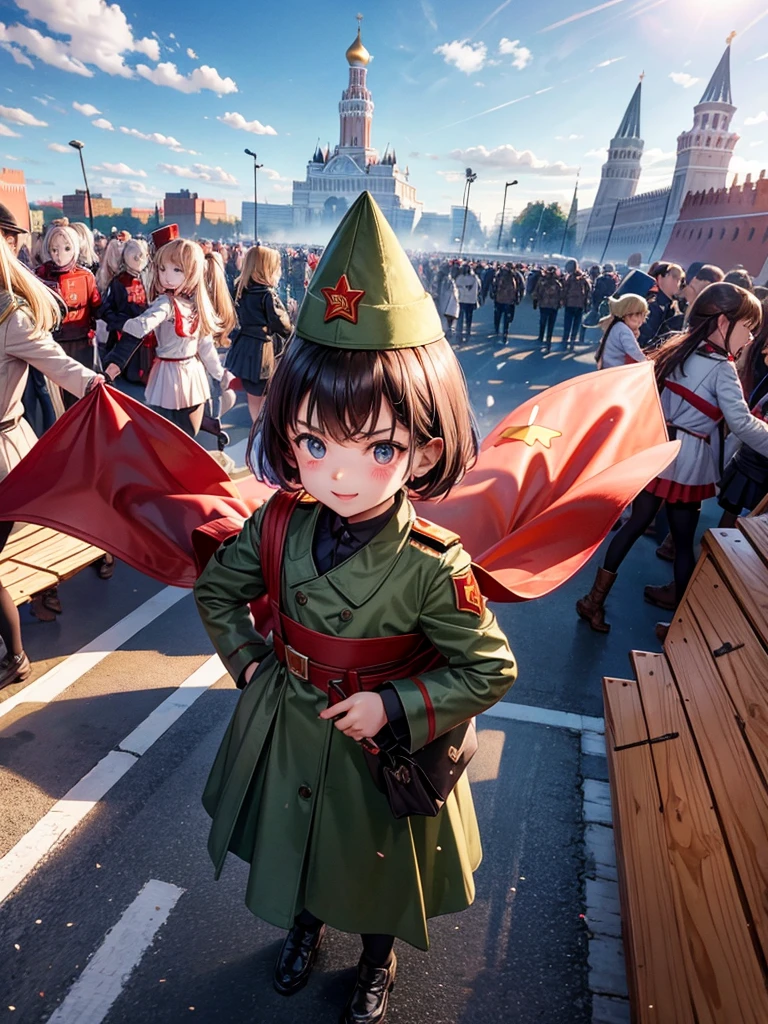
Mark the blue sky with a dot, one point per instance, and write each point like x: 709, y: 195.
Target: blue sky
x: 167, y: 95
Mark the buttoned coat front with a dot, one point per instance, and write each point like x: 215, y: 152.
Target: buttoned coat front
x: 288, y: 792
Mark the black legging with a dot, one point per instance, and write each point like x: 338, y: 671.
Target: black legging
x: 683, y: 519
x: 377, y: 949
x: 10, y: 623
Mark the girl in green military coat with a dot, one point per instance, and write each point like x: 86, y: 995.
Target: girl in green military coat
x: 367, y: 406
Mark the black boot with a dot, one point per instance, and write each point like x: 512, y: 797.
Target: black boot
x: 370, y: 996
x: 297, y: 958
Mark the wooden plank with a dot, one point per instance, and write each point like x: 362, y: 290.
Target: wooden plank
x: 761, y: 509
x: 724, y: 975
x: 743, y: 570
x: 726, y: 751
x: 652, y: 940
x: 24, y: 581
x: 756, y: 531
x: 23, y: 537
x: 712, y: 618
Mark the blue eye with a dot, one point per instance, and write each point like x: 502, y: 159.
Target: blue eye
x: 315, y: 447
x: 384, y: 453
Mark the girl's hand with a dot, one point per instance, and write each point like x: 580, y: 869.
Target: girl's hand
x: 362, y: 715
x: 113, y: 371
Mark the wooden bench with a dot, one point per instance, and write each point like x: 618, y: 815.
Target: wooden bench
x: 687, y: 744
x: 36, y: 558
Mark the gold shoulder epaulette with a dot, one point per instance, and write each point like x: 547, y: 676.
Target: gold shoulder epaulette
x: 429, y: 535
x: 307, y: 499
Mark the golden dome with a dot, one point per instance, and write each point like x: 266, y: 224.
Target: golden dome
x: 357, y: 53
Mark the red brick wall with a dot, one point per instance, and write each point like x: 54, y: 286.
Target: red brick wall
x: 13, y: 194
x: 727, y: 227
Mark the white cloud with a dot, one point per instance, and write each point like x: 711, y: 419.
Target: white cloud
x: 479, y: 85
x: 18, y: 116
x: 511, y: 159
x: 57, y: 147
x: 121, y: 169
x: 104, y: 124
x: 200, y: 172
x: 607, y: 63
x: 683, y: 78
x: 8, y: 133
x: 86, y: 109
x: 521, y: 55
x: 50, y: 51
x: 191, y: 53
x: 282, y: 188
x: 18, y: 55
x: 568, y: 138
x: 129, y: 188
x: 601, y: 154
x: 658, y: 156
x: 98, y: 33
x: 759, y: 142
x: 467, y: 57
x: 201, y: 78
x: 274, y: 175
x: 158, y: 138
x: 763, y: 56
x: 237, y: 121
x: 452, y: 176
x: 760, y: 118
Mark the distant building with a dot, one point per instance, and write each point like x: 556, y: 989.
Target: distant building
x: 725, y: 227
x: 336, y: 178
x: 13, y: 194
x: 142, y: 214
x: 76, y: 206
x: 187, y: 209
x: 621, y: 222
x: 275, y: 220
x: 473, y: 234
x: 433, y: 231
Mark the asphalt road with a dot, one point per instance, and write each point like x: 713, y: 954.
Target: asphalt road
x: 519, y: 954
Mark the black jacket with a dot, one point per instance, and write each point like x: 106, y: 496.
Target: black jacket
x: 125, y: 299
x: 661, y: 313
x: 260, y: 307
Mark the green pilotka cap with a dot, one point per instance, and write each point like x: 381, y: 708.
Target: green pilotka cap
x: 364, y: 293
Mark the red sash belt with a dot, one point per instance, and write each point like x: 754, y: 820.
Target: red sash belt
x: 699, y: 403
x: 318, y: 658
x: 355, y: 664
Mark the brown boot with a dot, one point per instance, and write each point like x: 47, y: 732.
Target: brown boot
x: 663, y: 597
x: 590, y: 607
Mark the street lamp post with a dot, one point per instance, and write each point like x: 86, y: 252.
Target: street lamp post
x: 79, y: 146
x: 509, y: 184
x: 538, y: 227
x: 256, y: 167
x: 469, y: 178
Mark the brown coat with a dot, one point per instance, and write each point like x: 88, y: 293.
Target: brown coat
x: 17, y: 352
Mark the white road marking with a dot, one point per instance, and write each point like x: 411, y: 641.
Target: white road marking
x: 546, y: 716
x: 67, y: 672
x: 74, y: 806
x: 95, y: 991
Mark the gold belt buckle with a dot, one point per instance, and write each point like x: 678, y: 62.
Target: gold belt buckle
x: 297, y: 663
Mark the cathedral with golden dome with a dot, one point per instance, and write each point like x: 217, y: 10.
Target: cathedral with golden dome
x: 336, y: 177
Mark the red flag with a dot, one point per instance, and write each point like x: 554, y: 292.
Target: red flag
x: 549, y: 483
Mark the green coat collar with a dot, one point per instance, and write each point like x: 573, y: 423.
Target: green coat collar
x: 360, y: 576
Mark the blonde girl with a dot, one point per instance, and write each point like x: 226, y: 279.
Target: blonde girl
x: 621, y: 329
x: 29, y: 312
x: 218, y: 290
x: 87, y: 257
x: 185, y: 322
x: 262, y: 318
x: 110, y: 264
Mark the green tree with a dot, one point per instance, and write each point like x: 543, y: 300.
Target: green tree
x: 540, y: 226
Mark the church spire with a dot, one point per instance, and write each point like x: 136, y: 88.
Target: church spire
x: 719, y: 88
x: 630, y: 125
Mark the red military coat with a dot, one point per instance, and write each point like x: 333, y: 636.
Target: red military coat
x: 78, y: 289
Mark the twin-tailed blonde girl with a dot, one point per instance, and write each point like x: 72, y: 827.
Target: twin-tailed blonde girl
x: 185, y: 323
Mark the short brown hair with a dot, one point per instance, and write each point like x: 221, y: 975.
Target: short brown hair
x: 424, y: 387
x: 710, y: 273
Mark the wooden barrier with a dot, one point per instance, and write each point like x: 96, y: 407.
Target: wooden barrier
x: 687, y: 743
x: 36, y: 558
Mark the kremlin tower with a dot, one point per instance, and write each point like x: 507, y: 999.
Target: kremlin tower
x: 336, y: 177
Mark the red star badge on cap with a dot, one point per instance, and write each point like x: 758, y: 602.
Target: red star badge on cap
x: 341, y: 301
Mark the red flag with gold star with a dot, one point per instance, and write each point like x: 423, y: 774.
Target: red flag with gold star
x: 550, y: 481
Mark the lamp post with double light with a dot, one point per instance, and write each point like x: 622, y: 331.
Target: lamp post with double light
x: 469, y: 178
x: 509, y: 184
x: 256, y: 167
x: 80, y: 146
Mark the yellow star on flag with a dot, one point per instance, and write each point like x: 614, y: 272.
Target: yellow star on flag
x: 530, y: 433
